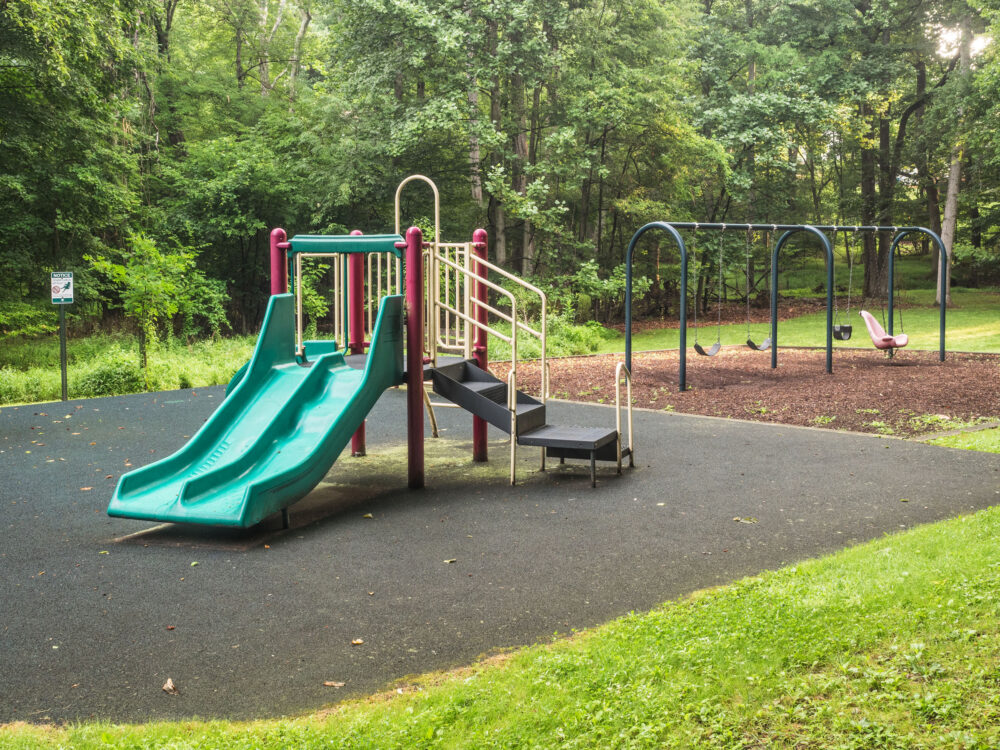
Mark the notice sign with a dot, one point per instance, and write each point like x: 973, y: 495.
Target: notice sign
x: 62, y: 287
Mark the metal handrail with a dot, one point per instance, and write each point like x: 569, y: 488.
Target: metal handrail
x: 512, y: 318
x: 620, y: 370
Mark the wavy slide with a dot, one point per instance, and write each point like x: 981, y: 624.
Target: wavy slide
x: 275, y: 436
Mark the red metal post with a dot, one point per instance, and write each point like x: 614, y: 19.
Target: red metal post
x: 415, y: 356
x: 279, y: 261
x: 479, y: 294
x: 356, y: 325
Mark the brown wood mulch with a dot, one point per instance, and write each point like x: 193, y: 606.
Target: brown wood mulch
x: 910, y: 394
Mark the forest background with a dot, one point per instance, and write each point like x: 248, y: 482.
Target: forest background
x: 150, y: 145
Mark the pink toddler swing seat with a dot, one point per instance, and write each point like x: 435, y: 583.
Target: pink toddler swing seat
x: 880, y: 338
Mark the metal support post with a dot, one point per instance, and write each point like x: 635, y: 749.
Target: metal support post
x: 480, y: 294
x: 415, y: 356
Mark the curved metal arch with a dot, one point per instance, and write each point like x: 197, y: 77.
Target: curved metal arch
x: 828, y: 249
x: 942, y: 255
x: 669, y: 229
x: 437, y: 204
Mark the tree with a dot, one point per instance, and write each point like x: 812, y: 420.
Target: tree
x: 149, y: 284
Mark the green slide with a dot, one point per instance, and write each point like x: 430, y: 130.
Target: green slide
x: 275, y: 436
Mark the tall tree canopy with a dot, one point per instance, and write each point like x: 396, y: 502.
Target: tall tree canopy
x: 560, y: 125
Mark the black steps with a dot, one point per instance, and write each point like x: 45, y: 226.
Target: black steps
x: 485, y: 395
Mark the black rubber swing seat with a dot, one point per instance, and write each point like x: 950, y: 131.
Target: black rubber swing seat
x: 842, y: 332
x: 711, y: 351
x: 763, y: 346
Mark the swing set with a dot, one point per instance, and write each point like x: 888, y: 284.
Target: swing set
x: 834, y: 330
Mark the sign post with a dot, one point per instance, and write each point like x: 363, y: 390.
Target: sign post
x: 62, y: 295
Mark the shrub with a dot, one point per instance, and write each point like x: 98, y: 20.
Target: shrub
x: 113, y: 377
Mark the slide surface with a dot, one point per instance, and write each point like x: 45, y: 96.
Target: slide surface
x: 274, y: 437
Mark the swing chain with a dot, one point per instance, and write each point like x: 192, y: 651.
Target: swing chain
x: 748, y: 275
x: 718, y: 304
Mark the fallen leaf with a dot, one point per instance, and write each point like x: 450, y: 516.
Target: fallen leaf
x: 331, y: 683
x: 367, y: 515
x: 747, y: 519
x: 194, y: 563
x: 93, y: 443
x: 170, y: 688
x: 451, y: 560
x: 86, y: 489
x: 904, y: 499
x: 104, y: 552
x: 371, y: 593
x: 171, y: 627
x: 109, y: 476
x: 357, y: 642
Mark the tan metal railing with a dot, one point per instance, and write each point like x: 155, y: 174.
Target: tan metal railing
x: 451, y: 319
x: 339, y: 265
x: 622, y: 370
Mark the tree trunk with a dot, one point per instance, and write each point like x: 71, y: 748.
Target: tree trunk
x: 265, y: 51
x: 954, y: 178
x: 519, y: 143
x: 529, y: 262
x: 497, y: 215
x: 868, y: 254
x: 295, y: 63
x: 240, y: 73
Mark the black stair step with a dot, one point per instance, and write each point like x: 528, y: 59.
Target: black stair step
x: 588, y: 443
x: 561, y: 441
x: 495, y: 392
x: 485, y: 395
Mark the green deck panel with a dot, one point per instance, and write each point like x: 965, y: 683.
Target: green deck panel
x: 346, y: 243
x: 275, y: 436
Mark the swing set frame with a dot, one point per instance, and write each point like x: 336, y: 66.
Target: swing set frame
x: 819, y: 231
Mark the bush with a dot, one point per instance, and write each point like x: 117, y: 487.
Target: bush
x: 18, y: 318
x: 564, y: 339
x: 114, y: 377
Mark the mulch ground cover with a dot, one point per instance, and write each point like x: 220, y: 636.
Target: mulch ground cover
x: 910, y: 394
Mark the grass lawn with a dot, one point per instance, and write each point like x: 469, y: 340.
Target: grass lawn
x: 978, y: 440
x: 890, y: 644
x: 108, y: 365
x: 973, y: 325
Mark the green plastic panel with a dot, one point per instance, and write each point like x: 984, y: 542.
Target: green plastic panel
x: 346, y: 243
x: 275, y: 436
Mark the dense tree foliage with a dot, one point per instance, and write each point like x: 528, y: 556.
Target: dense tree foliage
x: 559, y: 125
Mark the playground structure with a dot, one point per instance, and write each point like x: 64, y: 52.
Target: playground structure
x: 788, y: 230
x: 291, y: 410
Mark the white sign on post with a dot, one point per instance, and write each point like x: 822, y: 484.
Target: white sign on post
x: 62, y: 287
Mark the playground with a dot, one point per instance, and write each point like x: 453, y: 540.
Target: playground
x: 250, y: 623
x: 267, y: 551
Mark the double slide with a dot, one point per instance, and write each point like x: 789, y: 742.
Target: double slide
x: 275, y: 436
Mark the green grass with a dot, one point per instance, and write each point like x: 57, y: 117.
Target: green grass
x: 971, y: 325
x: 105, y: 365
x: 890, y: 644
x: 987, y: 441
